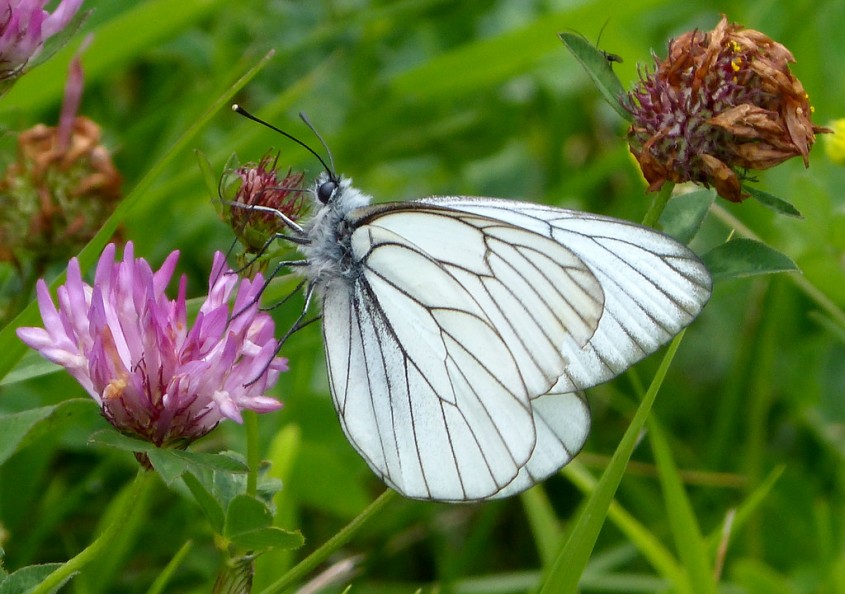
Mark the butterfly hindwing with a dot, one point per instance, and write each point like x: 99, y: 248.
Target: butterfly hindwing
x: 562, y: 423
x: 429, y: 436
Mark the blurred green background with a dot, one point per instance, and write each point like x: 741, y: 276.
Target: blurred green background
x: 426, y: 97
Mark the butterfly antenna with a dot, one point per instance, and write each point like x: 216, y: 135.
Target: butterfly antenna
x: 311, y: 127
x: 240, y: 110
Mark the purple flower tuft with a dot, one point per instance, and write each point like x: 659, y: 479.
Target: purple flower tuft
x: 131, y: 348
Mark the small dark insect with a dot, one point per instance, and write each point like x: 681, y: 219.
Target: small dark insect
x: 609, y: 57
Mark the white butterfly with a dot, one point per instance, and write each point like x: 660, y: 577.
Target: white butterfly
x: 458, y: 330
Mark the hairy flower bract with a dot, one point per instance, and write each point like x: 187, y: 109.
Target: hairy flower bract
x: 259, y: 194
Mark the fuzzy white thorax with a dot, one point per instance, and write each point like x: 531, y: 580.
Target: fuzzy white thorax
x: 328, y: 232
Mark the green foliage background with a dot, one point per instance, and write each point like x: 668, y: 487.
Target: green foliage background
x: 433, y: 97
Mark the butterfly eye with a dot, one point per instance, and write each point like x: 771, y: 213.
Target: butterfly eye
x: 325, y: 191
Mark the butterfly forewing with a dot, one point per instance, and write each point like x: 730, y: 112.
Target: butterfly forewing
x: 531, y: 290
x: 653, y: 286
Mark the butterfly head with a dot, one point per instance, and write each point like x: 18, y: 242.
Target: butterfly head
x: 327, y: 186
x: 336, y: 193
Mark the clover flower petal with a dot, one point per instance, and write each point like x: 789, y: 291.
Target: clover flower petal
x: 130, y: 347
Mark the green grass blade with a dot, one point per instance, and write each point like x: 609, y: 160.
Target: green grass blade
x: 543, y: 522
x: 756, y: 577
x: 483, y: 62
x: 648, y: 544
x: 331, y: 546
x: 685, y: 529
x: 747, y: 507
x: 24, y: 428
x: 121, y: 513
x: 564, y: 574
x: 161, y: 582
x: 282, y: 454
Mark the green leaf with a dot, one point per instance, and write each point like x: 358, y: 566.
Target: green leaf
x: 685, y: 529
x: 745, y: 257
x: 265, y: 539
x: 596, y: 64
x: 114, y: 439
x: 779, y: 205
x: 170, y: 463
x: 209, y: 176
x: 26, y: 578
x: 208, y: 503
x: 225, y: 485
x: 23, y: 428
x: 222, y: 461
x: 564, y: 574
x: 245, y: 514
x: 684, y: 214
x: 168, y: 466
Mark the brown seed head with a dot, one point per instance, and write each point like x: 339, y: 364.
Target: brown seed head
x: 55, y: 197
x: 720, y: 103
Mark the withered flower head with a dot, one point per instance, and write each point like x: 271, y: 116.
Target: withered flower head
x: 61, y: 187
x: 721, y: 102
x: 253, y: 194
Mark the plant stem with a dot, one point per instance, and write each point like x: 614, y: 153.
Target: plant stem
x: 658, y: 204
x: 253, y: 455
x: 104, y: 541
x: 302, y: 568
